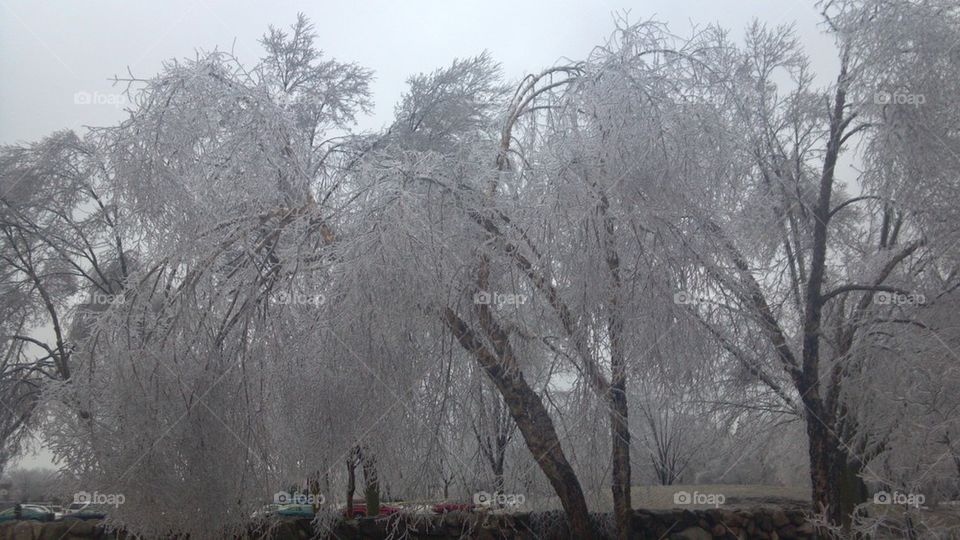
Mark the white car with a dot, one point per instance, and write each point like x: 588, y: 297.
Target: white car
x: 73, y: 508
x: 57, y: 511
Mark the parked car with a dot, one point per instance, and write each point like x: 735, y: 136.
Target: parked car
x: 289, y: 510
x: 295, y: 510
x: 265, y: 511
x: 443, y: 508
x: 57, y: 511
x: 27, y: 511
x: 86, y: 511
x: 75, y: 507
x: 43, y: 509
x: 360, y: 510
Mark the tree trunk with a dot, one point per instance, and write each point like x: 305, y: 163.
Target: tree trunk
x: 820, y: 470
x: 620, y: 433
x: 500, y: 452
x: 326, y: 482
x: 823, y: 454
x: 621, y: 465
x: 498, y: 474
x: 825, y: 473
x: 532, y: 420
x: 351, y: 482
x: 314, y: 489
x: 619, y: 421
x: 371, y: 489
x: 851, y: 490
x: 835, y: 477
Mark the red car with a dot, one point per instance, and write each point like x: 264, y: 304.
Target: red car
x: 443, y: 508
x: 360, y: 510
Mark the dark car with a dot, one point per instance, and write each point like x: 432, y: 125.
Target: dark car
x: 86, y: 511
x: 27, y: 511
x: 295, y: 510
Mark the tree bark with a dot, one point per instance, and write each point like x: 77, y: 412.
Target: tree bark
x: 351, y: 482
x: 837, y: 487
x: 498, y: 474
x: 532, y: 420
x: 851, y: 491
x: 314, y: 489
x: 822, y: 470
x: 621, y: 461
x: 823, y: 450
x: 619, y: 421
x: 501, y: 439
x: 371, y: 485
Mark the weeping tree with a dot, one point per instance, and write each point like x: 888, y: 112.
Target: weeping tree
x: 808, y: 257
x: 222, y: 168
x: 447, y: 150
x: 64, y: 259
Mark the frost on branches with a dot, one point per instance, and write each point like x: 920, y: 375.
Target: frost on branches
x: 680, y: 260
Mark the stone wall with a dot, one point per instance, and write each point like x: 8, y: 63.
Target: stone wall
x: 67, y: 530
x: 759, y: 524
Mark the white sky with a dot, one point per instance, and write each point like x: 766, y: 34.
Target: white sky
x: 50, y: 50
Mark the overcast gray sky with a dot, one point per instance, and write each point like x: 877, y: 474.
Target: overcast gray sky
x: 52, y: 50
